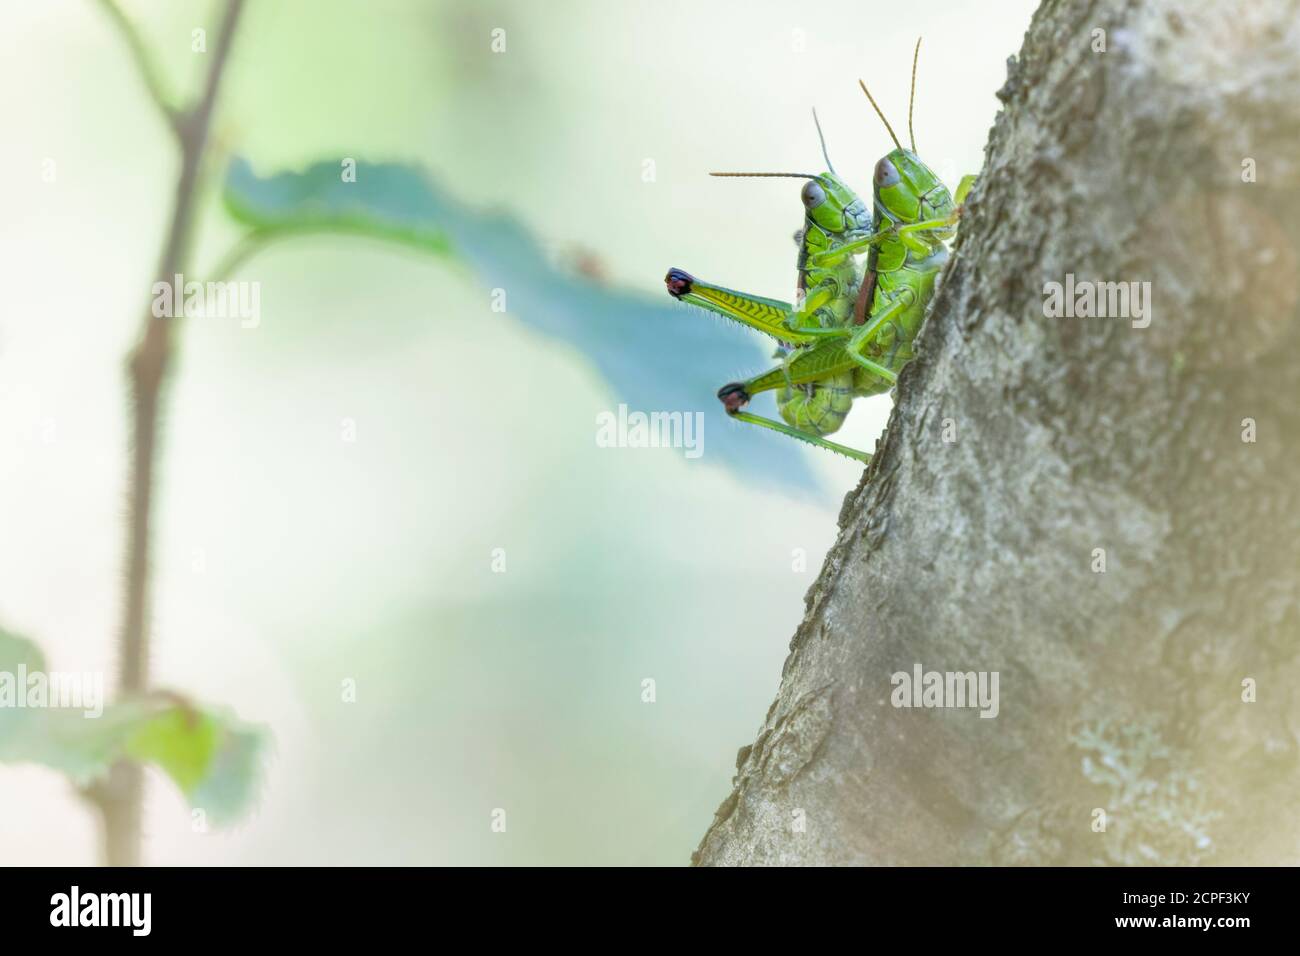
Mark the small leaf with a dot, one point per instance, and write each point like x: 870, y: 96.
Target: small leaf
x: 212, y: 758
x: 18, y: 657
x: 230, y: 784
x: 182, y: 743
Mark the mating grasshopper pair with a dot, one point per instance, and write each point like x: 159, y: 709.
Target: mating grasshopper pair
x: 849, y: 331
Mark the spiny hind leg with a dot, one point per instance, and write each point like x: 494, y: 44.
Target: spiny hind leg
x: 734, y: 398
x: 899, y: 339
x: 800, y: 365
x: 781, y: 320
x: 769, y: 316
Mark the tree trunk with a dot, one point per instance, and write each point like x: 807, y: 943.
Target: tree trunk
x: 1104, y: 514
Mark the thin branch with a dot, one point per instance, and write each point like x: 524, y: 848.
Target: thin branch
x: 145, y: 64
x: 147, y: 365
x: 248, y: 245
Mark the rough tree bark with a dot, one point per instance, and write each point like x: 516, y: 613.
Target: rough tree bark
x: 1120, y: 690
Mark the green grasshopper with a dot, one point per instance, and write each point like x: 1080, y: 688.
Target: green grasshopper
x: 831, y: 362
x: 834, y: 215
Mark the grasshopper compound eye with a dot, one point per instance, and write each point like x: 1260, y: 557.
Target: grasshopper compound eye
x: 886, y: 174
x: 813, y: 195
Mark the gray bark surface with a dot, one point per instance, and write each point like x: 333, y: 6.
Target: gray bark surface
x: 1121, y: 690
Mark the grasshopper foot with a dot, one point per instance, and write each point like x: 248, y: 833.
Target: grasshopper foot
x: 733, y: 397
x: 679, y: 282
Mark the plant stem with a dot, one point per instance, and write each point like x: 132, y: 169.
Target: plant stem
x: 145, y: 64
x: 122, y: 798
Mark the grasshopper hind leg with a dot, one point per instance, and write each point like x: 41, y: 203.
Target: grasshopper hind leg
x: 734, y: 398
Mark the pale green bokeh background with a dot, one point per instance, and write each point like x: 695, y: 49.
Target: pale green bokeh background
x: 289, y: 560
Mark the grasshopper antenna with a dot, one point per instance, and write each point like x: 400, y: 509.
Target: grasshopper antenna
x: 912, y: 96
x: 825, y: 155
x: 772, y: 175
x: 880, y: 114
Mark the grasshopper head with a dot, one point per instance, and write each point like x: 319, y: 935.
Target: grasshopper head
x: 834, y: 207
x: 906, y: 190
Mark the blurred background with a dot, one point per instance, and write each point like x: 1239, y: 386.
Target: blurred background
x: 291, y: 557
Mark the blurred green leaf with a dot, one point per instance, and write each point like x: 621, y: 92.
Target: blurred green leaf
x: 212, y: 758
x: 655, y: 354
x: 182, y: 743
x: 230, y: 783
x: 15, y: 652
x: 16, y: 655
x: 390, y: 203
